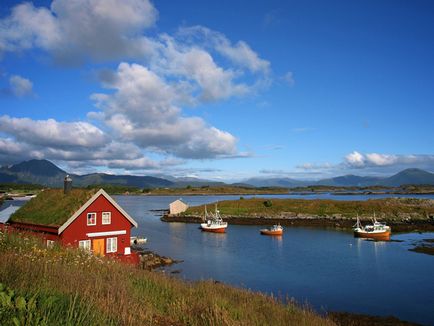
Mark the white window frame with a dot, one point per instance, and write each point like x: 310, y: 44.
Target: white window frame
x: 87, y: 219
x: 84, y: 245
x: 111, y: 245
x: 108, y: 216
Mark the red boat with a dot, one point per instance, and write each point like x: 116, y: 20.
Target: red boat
x: 273, y: 230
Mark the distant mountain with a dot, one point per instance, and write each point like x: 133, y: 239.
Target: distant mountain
x: 182, y: 182
x: 37, y: 167
x: 34, y: 171
x: 275, y: 182
x: 46, y: 173
x: 409, y: 176
x: 350, y: 180
x: 125, y: 180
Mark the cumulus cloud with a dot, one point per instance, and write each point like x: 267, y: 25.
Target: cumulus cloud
x: 20, y: 86
x: 113, y: 155
x: 53, y: 133
x: 143, y: 110
x: 198, y: 66
x: 355, y: 159
x: 372, y: 164
x: 359, y: 160
x: 240, y: 54
x: 100, y: 29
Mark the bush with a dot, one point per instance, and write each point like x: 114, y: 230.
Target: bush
x: 268, y: 203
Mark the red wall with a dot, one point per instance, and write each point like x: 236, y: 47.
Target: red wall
x: 78, y: 229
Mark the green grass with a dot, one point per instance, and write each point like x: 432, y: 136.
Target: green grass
x: 20, y: 188
x: 52, y: 207
x: 70, y: 287
x: 383, y: 208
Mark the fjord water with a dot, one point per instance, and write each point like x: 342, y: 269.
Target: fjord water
x: 326, y: 268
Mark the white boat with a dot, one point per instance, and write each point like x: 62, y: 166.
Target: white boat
x: 377, y: 230
x: 137, y: 240
x: 214, y: 223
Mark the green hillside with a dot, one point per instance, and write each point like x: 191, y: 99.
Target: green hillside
x: 61, y: 286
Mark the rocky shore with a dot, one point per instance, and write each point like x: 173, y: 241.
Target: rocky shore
x: 336, y: 221
x: 150, y: 260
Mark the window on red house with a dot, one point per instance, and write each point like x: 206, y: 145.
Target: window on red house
x: 106, y: 217
x: 84, y: 244
x: 112, y: 244
x: 91, y: 218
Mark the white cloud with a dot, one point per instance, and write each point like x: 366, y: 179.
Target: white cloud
x: 240, y: 54
x: 74, y: 30
x: 142, y: 107
x: 197, y: 66
x: 381, y: 159
x: 53, y: 133
x: 288, y: 78
x: 355, y: 159
x: 113, y: 155
x: 377, y: 160
x: 143, y: 110
x: 20, y: 86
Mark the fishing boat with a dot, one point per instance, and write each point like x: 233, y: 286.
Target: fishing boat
x: 138, y: 241
x: 273, y: 230
x: 214, y: 223
x: 376, y: 231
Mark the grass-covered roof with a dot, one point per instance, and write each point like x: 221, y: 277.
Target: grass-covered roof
x: 52, y: 207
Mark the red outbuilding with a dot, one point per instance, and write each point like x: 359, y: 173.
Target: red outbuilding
x: 80, y: 218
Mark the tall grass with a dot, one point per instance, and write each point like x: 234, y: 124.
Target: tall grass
x: 71, y: 287
x: 392, y: 208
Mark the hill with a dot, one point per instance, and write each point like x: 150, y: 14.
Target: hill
x: 48, y: 174
x: 350, y: 180
x: 410, y: 176
x: 65, y: 286
x: 275, y: 182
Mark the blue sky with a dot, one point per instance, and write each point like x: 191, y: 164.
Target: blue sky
x: 219, y: 89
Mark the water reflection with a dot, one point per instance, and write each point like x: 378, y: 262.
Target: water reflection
x: 324, y: 267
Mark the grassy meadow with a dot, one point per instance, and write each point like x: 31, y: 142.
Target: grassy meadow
x: 52, y: 207
x: 390, y: 209
x: 64, y: 286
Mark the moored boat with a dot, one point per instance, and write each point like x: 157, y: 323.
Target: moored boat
x: 214, y: 223
x: 273, y: 230
x: 376, y: 231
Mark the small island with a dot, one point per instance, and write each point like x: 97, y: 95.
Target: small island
x: 403, y: 214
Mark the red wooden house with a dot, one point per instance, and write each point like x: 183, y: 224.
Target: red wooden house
x: 80, y: 218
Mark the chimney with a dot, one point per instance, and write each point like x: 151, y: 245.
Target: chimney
x: 67, y: 185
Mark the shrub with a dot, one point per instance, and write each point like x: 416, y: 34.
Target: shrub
x: 268, y: 203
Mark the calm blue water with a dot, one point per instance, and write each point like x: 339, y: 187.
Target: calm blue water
x: 328, y: 269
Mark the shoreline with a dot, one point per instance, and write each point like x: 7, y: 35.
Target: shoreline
x: 340, y: 223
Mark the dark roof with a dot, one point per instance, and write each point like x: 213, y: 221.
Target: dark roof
x: 52, y: 207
